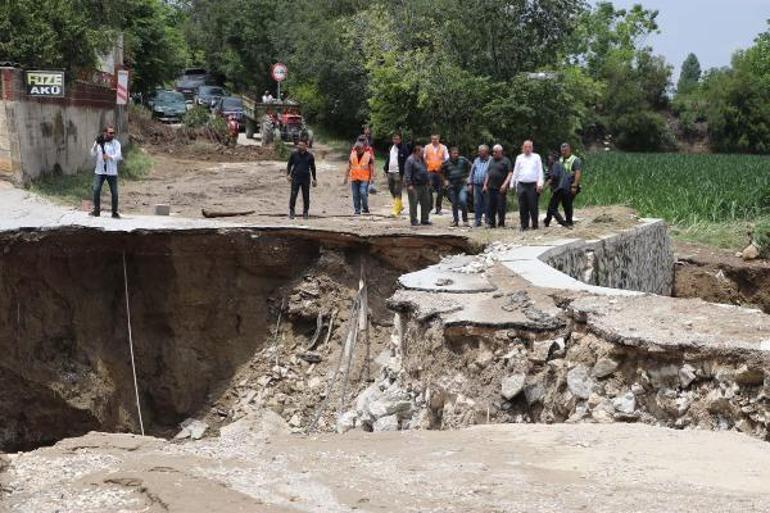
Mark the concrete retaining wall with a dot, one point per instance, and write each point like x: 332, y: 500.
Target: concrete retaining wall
x: 640, y: 259
x: 39, y: 136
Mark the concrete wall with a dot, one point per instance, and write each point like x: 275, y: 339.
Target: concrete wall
x: 39, y: 136
x: 640, y: 259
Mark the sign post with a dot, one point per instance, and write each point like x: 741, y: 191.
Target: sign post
x: 45, y: 84
x: 122, y: 89
x: 279, y: 71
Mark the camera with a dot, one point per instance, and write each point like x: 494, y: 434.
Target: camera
x: 100, y: 140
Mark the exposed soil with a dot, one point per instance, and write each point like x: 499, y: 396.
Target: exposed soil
x: 720, y: 276
x: 202, y: 304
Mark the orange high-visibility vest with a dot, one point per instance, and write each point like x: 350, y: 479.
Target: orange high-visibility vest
x: 359, y: 169
x: 434, y: 157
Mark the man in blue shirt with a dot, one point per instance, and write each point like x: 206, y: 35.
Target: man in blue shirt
x: 476, y: 182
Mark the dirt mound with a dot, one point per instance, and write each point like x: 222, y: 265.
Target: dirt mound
x: 193, y: 143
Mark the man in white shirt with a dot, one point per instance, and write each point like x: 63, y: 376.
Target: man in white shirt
x: 107, y: 151
x: 394, y: 170
x: 528, y: 182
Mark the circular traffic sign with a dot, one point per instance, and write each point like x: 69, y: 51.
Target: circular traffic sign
x: 279, y: 72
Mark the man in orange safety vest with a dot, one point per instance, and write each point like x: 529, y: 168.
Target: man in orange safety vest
x: 359, y: 173
x: 435, y: 154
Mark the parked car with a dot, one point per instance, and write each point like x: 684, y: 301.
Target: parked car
x: 209, y: 95
x: 188, y: 86
x: 192, y: 79
x: 230, y: 106
x: 169, y: 106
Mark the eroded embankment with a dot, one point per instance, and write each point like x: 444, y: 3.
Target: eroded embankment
x: 202, y: 304
x: 477, y: 343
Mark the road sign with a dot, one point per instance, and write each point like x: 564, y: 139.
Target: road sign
x: 122, y: 87
x: 45, y: 83
x: 279, y: 72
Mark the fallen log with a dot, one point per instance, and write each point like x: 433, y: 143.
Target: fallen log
x: 225, y: 213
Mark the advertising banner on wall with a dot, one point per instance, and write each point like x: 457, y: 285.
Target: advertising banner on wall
x: 46, y: 84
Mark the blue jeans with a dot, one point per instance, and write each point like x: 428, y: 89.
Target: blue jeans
x: 458, y: 195
x: 360, y: 190
x: 112, y: 181
x: 479, y: 203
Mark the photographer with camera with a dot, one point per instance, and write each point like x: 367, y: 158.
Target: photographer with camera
x: 107, y: 151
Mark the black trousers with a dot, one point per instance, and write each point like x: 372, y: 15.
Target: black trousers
x: 112, y: 181
x: 528, y: 204
x: 497, y: 205
x: 304, y: 184
x: 560, y: 197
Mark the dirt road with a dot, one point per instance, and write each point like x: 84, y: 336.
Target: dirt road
x: 505, y: 468
x: 192, y: 185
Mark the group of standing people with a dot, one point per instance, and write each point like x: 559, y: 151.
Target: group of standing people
x: 431, y: 172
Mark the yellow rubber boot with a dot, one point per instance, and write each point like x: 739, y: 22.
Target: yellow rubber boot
x: 398, y: 207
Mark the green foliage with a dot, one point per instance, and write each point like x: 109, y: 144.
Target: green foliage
x: 683, y: 189
x: 197, y: 117
x: 155, y: 47
x: 689, y: 78
x: 643, y: 131
x: 217, y: 128
x: 55, y: 34
x: 761, y: 237
x: 70, y: 34
x: 136, y: 165
x: 308, y: 94
x: 737, y: 102
x: 282, y: 152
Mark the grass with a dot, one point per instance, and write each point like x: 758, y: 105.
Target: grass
x: 713, y: 199
x: 74, y: 188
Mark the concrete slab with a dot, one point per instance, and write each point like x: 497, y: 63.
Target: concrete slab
x: 436, y: 279
x: 688, y: 324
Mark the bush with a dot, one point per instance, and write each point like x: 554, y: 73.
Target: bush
x: 136, y: 163
x: 197, y: 117
x: 762, y: 238
x: 643, y: 131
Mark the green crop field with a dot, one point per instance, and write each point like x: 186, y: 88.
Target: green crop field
x: 706, y: 198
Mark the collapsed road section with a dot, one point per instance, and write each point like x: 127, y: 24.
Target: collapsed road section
x: 231, y: 321
x: 503, y: 337
x: 202, y: 304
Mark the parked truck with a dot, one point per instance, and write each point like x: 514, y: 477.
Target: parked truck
x: 275, y: 120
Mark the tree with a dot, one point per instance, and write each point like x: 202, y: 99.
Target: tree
x: 57, y: 34
x: 690, y: 75
x: 155, y: 47
x: 610, y: 46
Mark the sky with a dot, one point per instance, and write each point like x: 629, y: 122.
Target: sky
x: 712, y: 29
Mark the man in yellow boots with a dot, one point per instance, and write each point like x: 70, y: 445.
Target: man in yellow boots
x: 394, y: 170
